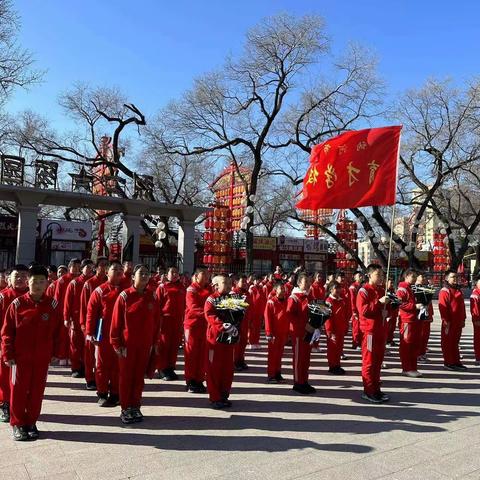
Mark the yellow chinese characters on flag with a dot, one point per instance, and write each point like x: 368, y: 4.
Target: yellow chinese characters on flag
x: 355, y: 169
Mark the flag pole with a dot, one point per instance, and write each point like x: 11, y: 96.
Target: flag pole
x: 389, y: 259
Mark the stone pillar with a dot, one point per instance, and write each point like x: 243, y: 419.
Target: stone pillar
x: 132, y: 225
x: 26, y: 234
x: 186, y: 245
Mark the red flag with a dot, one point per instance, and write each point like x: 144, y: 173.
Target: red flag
x: 355, y: 169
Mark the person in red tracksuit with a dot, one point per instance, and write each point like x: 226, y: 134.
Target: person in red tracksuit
x: 220, y: 356
x: 276, y: 330
x: 371, y: 301
x: 297, y: 310
x: 126, y: 281
x: 60, y: 291
x: 18, y: 280
x: 99, y: 314
x: 89, y: 348
x: 290, y: 285
x: 268, y: 284
x: 257, y: 308
x: 475, y: 312
x: 317, y: 290
x: 171, y: 296
x: 71, y: 315
x: 353, y: 292
x: 61, y: 271
x: 411, y: 327
x: 452, y: 311
x: 426, y: 324
x: 30, y: 337
x: 335, y: 328
x: 134, y: 333
x: 242, y: 290
x: 195, y: 329
x: 392, y: 318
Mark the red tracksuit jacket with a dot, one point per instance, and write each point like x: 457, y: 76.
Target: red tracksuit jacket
x: 338, y: 320
x: 72, y: 303
x: 31, y: 329
x: 288, y: 289
x: 126, y: 281
x: 61, y: 289
x: 276, y: 318
x: 297, y: 309
x: 451, y: 305
x: 50, y: 292
x: 475, y: 306
x: 258, y: 299
x: 317, y: 292
x: 370, y: 310
x: 196, y: 297
x: 7, y: 296
x: 101, y: 305
x: 267, y: 288
x: 407, y: 310
x: 353, y: 292
x: 214, y: 323
x: 171, y: 296
x: 135, y: 320
x: 88, y: 287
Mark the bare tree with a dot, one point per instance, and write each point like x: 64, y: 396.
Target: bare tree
x: 233, y: 111
x: 440, y: 159
x: 15, y: 62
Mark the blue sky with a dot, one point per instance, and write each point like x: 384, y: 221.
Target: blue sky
x: 153, y: 49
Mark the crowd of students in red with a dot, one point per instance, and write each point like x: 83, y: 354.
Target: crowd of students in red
x: 115, y: 324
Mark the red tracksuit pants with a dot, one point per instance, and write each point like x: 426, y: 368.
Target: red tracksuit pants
x: 451, y: 335
x: 170, y: 341
x: 64, y: 341
x: 425, y: 337
x: 301, y: 359
x: 4, y: 383
x: 275, y: 354
x: 476, y: 342
x: 132, y: 370
x: 27, y: 386
x: 106, y: 372
x: 89, y: 361
x: 356, y: 332
x: 195, y: 352
x: 411, y: 335
x: 242, y: 343
x: 219, y: 371
x: 334, y: 349
x: 391, y: 324
x: 77, y: 343
x: 254, y: 328
x: 373, y: 351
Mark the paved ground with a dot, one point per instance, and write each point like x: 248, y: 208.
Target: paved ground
x: 430, y: 430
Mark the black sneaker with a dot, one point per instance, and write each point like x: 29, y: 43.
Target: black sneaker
x: 168, y: 375
x: 310, y: 389
x: 127, y: 417
x: 303, y: 388
x: 218, y: 405
x: 5, y: 412
x: 336, y: 370
x: 392, y: 344
x: 20, y: 434
x: 91, y: 385
x: 136, y: 414
x: 78, y: 374
x: 272, y: 380
x: 102, y: 399
x: 449, y: 366
x: 383, y: 396
x: 279, y: 378
x: 227, y: 403
x: 241, y: 366
x: 32, y: 432
x: 112, y: 401
x: 343, y: 356
x: 190, y: 386
x: 199, y: 387
x: 372, y: 398
x: 460, y: 367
